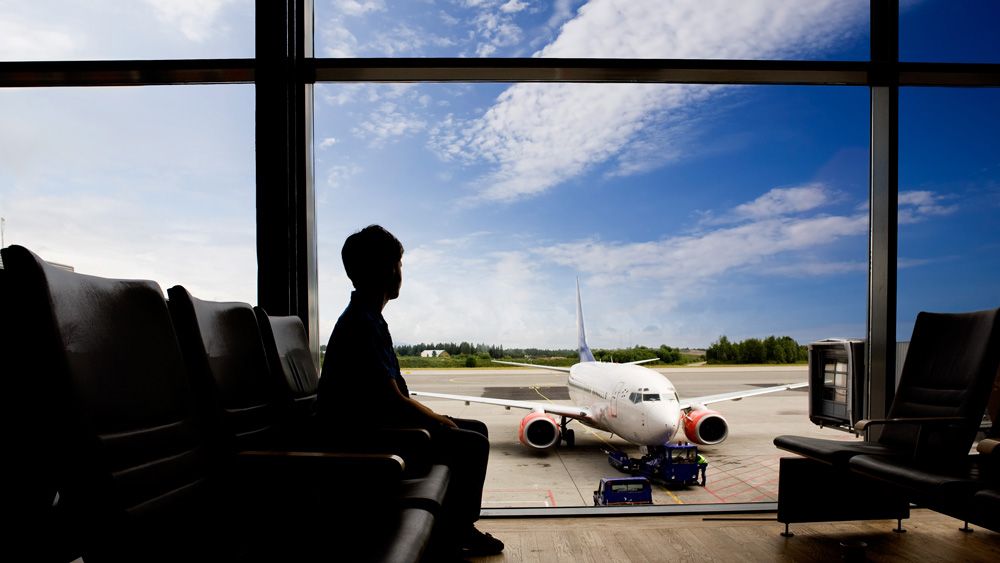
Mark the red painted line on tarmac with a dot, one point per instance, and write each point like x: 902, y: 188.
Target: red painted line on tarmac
x: 709, y: 491
x: 552, y: 498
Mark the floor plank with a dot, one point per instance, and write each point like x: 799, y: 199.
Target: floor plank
x: 929, y: 537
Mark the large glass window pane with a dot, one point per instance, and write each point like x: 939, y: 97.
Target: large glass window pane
x: 686, y: 212
x: 949, y: 202
x: 151, y: 183
x: 955, y: 31
x: 675, y: 29
x: 143, y: 29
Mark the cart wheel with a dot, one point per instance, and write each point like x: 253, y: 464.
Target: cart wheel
x: 570, y: 437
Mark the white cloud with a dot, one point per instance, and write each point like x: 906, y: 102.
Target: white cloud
x: 540, y: 135
x: 358, y: 7
x: 915, y: 206
x: 327, y: 142
x: 196, y: 19
x: 338, y: 41
x: 387, y: 123
x: 339, y: 174
x: 214, y: 261
x: 782, y: 201
x: 24, y: 41
x: 523, y: 294
x: 513, y: 6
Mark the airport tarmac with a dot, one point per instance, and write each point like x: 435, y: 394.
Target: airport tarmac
x: 744, y: 468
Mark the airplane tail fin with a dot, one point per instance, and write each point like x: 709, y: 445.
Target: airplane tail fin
x: 585, y: 354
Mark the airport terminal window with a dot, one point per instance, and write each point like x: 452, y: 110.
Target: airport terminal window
x: 149, y: 182
x: 68, y: 30
x: 452, y: 167
x: 679, y: 29
x: 949, y: 31
x: 686, y: 211
x: 949, y: 202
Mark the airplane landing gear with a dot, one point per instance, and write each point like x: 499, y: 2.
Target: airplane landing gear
x: 568, y: 435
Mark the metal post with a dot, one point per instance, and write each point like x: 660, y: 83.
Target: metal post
x: 884, y: 190
x: 286, y: 223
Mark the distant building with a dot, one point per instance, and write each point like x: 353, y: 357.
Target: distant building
x: 432, y: 353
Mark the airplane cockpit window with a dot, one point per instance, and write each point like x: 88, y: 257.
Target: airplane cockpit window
x: 634, y: 397
x: 651, y: 397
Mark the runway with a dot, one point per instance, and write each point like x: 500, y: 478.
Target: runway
x: 744, y: 468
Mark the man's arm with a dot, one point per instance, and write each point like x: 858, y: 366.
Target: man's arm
x: 416, y: 411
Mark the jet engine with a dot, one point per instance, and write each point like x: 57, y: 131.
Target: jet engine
x: 539, y: 431
x: 705, y: 427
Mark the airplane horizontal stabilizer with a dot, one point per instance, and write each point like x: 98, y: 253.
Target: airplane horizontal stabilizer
x: 637, y: 362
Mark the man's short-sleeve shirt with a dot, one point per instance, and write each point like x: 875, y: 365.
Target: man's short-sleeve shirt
x: 359, y: 352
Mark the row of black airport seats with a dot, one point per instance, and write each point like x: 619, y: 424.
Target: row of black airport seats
x: 950, y: 377
x: 145, y: 430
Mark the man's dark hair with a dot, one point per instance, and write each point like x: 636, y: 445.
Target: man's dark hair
x: 370, y: 254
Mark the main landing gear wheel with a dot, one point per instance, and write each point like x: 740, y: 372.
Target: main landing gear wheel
x: 568, y: 436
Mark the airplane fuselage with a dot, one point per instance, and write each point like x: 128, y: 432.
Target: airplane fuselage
x: 634, y: 402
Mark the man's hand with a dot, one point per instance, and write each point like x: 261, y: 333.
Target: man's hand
x: 448, y: 422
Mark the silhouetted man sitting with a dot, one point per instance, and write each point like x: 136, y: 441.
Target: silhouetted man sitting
x: 361, y: 381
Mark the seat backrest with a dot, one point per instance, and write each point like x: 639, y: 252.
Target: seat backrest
x: 949, y: 370
x: 288, y: 354
x: 223, y: 349
x: 112, y: 389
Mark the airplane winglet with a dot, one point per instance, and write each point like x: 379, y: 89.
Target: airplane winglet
x: 585, y: 354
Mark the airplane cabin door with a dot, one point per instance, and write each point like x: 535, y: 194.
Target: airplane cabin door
x: 615, y: 397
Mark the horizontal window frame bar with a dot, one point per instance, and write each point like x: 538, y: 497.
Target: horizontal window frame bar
x: 638, y: 510
x: 126, y: 73
x: 655, y: 71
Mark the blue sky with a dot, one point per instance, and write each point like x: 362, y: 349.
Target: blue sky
x: 687, y: 212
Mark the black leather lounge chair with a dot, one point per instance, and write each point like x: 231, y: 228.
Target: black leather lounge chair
x: 289, y: 357
x: 262, y: 408
x: 941, y: 397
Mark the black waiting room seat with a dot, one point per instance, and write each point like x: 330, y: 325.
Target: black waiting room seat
x: 922, y: 453
x: 288, y: 354
x: 135, y: 471
x: 262, y: 407
x: 940, y: 399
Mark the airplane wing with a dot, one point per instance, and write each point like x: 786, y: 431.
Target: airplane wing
x: 569, y: 411
x: 552, y: 368
x: 637, y: 362
x: 737, y: 395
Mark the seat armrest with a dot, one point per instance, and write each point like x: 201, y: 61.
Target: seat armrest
x: 863, y: 425
x: 413, y: 445
x: 989, y: 446
x: 388, y: 463
x: 310, y: 482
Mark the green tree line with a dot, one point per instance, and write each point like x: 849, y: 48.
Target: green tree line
x: 771, y: 350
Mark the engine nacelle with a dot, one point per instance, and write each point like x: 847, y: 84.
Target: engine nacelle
x: 705, y: 427
x: 539, y: 431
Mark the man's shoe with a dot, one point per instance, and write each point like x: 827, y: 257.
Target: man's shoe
x: 481, y: 543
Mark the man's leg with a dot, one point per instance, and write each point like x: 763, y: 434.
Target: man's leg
x: 466, y: 452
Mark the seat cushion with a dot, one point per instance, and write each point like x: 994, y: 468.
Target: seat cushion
x: 833, y: 452
x: 986, y: 507
x: 953, y: 483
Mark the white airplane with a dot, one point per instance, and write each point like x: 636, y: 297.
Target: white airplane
x: 634, y: 402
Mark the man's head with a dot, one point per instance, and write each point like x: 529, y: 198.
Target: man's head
x: 373, y: 260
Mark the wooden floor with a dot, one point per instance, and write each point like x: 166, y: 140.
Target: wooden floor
x: 929, y: 537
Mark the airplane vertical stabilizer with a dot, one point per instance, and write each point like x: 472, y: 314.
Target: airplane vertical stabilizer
x: 585, y: 354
